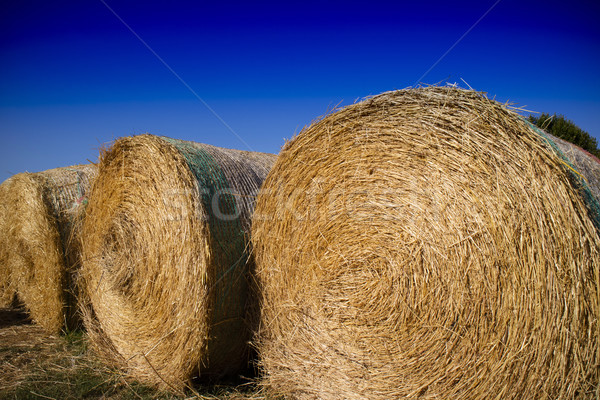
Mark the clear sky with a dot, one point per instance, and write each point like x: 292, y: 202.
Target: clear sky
x: 75, y: 75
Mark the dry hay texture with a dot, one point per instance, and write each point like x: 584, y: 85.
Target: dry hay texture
x: 426, y: 243
x: 40, y: 245
x: 166, y: 258
x: 7, y: 289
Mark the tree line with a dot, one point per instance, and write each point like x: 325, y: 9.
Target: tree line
x: 563, y: 128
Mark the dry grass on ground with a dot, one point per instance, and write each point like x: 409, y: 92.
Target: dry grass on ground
x: 34, y: 365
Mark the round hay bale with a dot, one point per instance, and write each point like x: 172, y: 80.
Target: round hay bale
x: 166, y: 263
x: 41, y: 247
x: 7, y: 288
x: 425, y: 243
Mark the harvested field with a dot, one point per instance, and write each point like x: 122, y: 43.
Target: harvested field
x: 35, y: 365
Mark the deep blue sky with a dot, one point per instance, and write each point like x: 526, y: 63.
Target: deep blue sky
x: 73, y: 77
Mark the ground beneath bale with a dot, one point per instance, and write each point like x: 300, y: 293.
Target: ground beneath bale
x: 35, y: 365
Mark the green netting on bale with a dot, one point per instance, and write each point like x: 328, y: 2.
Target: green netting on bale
x: 576, y: 178
x: 227, y: 239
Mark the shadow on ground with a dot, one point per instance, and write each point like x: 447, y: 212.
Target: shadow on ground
x: 13, y: 316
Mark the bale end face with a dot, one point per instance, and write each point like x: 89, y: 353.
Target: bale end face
x: 425, y: 243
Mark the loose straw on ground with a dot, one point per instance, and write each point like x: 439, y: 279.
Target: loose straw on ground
x: 426, y: 243
x: 166, y: 258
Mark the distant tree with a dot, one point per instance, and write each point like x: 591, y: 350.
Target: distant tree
x: 565, y: 129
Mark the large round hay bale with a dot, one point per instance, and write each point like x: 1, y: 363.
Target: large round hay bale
x: 166, y: 258
x: 7, y: 288
x: 426, y: 243
x: 41, y: 246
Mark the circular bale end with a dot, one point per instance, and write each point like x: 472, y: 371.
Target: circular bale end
x: 43, y: 211
x: 425, y: 243
x: 166, y: 261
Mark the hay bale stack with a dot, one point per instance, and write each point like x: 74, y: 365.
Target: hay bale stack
x: 166, y: 258
x: 41, y: 246
x: 425, y: 243
x: 7, y: 289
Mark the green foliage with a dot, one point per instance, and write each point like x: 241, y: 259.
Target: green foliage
x: 565, y: 129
